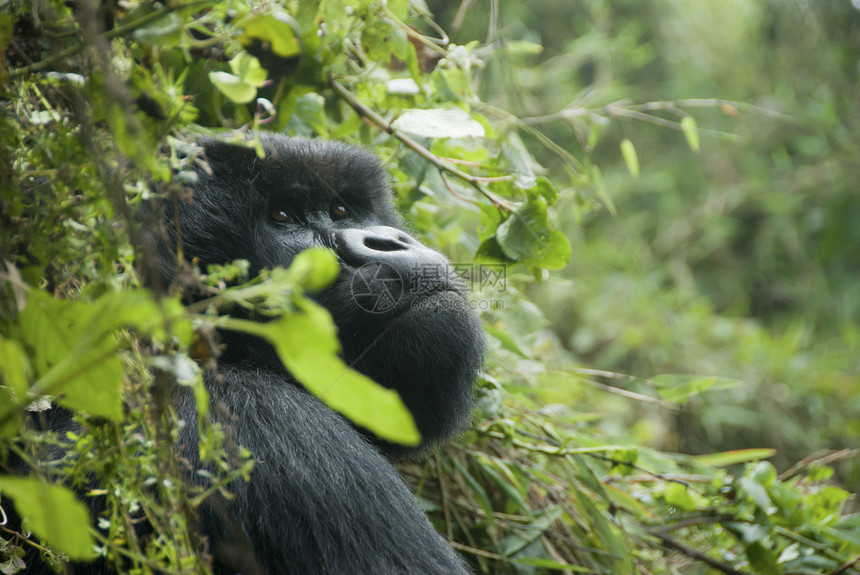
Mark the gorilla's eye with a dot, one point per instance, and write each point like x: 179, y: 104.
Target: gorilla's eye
x: 338, y: 212
x: 281, y: 215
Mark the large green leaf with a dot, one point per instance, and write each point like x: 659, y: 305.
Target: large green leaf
x: 74, y: 349
x: 54, y: 513
x: 306, y: 341
x: 679, y: 388
x: 439, y: 123
x: 733, y: 457
x: 166, y: 31
x: 240, y: 86
x: 277, y: 29
x: 313, y: 269
x: 526, y: 237
x: 14, y: 367
x: 15, y: 370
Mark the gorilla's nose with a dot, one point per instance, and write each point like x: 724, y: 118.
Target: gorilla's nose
x: 383, y: 244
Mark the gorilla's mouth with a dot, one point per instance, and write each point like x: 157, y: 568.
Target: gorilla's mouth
x: 378, y: 288
x: 441, y: 298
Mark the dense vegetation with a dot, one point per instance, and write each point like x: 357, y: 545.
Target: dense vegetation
x: 634, y: 190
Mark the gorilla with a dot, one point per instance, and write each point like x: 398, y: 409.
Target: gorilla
x: 323, y: 496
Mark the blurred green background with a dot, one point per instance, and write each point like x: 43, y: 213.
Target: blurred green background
x: 740, y: 261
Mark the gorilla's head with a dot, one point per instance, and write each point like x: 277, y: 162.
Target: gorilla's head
x: 402, y: 313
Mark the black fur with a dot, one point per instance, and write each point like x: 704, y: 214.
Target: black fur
x: 323, y: 497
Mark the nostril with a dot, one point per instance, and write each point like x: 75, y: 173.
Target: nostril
x: 383, y: 244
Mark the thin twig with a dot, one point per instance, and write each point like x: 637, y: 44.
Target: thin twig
x: 574, y: 111
x: 441, y: 164
x: 617, y: 390
x: 695, y: 554
x: 558, y: 449
x: 822, y: 457
x: 625, y: 112
x: 710, y: 103
x: 842, y: 569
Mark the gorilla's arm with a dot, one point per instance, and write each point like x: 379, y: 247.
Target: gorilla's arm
x: 321, y: 499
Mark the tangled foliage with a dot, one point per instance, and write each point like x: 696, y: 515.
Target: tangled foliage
x: 99, y: 103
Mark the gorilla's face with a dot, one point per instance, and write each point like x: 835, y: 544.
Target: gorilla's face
x: 402, y: 313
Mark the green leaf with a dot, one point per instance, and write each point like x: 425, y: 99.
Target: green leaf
x: 74, y: 349
x: 491, y: 251
x: 688, y: 125
x: 626, y: 457
x: 551, y: 564
x: 413, y: 64
x: 602, y: 190
x: 138, y: 309
x: 165, y: 31
x: 523, y: 48
x: 278, y: 29
x: 311, y: 109
x: 14, y: 368
x: 757, y: 494
x: 54, y: 513
x: 350, y: 124
x: 819, y: 473
x: 15, y: 371
x: 525, y: 237
x: 519, y: 541
x: 240, y: 86
x: 248, y: 68
x: 762, y: 559
x: 81, y: 367
x: 544, y: 188
x: 505, y: 339
x: 678, y: 388
x: 505, y: 481
x: 477, y: 491
x: 733, y: 457
x: 306, y: 342
x: 764, y: 473
x: 314, y: 269
x: 679, y: 496
x: 439, y: 123
x: 628, y: 151
x: 606, y: 534
x: 233, y: 87
x: 621, y: 498
x: 89, y: 379
x: 749, y: 532
x: 400, y: 8
x: 45, y: 329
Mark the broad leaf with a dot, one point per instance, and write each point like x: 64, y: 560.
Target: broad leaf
x: 526, y: 237
x: 726, y: 458
x: 306, y: 342
x: 439, y: 123
x: 55, y: 514
x: 74, y: 349
x: 277, y: 29
x: 240, y: 86
x: 14, y: 367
